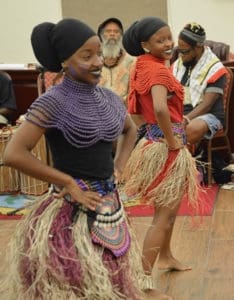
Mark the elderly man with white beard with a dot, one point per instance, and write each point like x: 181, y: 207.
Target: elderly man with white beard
x: 117, y: 63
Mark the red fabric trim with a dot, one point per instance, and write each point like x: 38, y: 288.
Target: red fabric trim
x: 167, y: 167
x: 217, y: 75
x: 9, y: 217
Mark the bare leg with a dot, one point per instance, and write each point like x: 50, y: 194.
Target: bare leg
x: 195, y: 130
x: 157, y: 241
x: 166, y: 260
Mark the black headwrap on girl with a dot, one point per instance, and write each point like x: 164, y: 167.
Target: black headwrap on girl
x: 54, y: 43
x: 141, y: 31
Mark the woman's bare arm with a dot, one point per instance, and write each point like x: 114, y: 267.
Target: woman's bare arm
x: 159, y: 95
x: 125, y: 145
x: 18, y: 155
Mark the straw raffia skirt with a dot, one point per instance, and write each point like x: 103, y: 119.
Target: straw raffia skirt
x: 156, y: 176
x: 53, y: 257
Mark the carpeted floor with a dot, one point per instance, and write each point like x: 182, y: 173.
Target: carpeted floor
x: 207, y: 199
x: 14, y: 206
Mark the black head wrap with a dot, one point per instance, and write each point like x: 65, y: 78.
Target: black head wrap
x: 141, y: 31
x: 107, y: 21
x: 193, y: 34
x: 54, y: 43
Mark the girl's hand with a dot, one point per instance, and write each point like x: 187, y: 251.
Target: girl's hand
x: 176, y: 145
x: 117, y: 175
x: 89, y: 199
x: 186, y: 121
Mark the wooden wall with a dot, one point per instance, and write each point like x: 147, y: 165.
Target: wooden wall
x: 95, y: 12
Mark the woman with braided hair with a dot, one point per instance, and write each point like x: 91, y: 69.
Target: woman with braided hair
x: 75, y: 241
x: 161, y: 170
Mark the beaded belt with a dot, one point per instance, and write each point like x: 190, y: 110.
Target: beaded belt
x: 107, y: 224
x: 154, y: 132
x: 102, y: 187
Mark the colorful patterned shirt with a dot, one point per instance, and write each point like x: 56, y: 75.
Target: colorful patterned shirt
x: 117, y: 78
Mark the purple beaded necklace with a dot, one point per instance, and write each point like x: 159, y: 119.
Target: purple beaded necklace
x: 85, y: 113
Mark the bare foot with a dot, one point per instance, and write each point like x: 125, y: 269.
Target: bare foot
x: 156, y: 295
x: 172, y: 264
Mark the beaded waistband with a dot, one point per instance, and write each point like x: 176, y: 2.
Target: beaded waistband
x: 102, y: 187
x: 154, y: 132
x: 107, y: 223
x: 103, y: 216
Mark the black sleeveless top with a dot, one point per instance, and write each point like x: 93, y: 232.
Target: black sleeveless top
x: 91, y: 163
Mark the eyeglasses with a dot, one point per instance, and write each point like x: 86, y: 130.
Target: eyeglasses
x: 184, y: 51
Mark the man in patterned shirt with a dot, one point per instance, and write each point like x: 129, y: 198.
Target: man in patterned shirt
x: 117, y: 63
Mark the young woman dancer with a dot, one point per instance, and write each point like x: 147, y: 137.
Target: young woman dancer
x: 160, y: 170
x: 75, y: 242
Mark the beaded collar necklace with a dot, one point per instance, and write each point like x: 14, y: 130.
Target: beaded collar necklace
x: 84, y: 113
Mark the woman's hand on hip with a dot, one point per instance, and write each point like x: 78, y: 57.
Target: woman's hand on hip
x: 74, y: 194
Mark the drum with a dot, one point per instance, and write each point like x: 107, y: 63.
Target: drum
x: 9, y: 177
x: 30, y: 185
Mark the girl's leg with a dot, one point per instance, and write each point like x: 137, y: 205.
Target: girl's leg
x: 166, y: 260
x: 157, y: 242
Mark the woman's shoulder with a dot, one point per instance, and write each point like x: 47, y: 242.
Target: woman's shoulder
x: 50, y: 101
x: 112, y: 98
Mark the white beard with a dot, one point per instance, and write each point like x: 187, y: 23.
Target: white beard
x: 111, y: 48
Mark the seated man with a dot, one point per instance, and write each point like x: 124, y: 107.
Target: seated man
x: 7, y: 99
x: 203, y: 77
x: 117, y: 62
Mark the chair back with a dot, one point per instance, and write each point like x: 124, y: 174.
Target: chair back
x: 221, y: 50
x: 227, y: 96
x: 47, y: 79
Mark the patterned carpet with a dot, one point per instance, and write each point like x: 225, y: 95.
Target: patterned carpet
x: 14, y: 206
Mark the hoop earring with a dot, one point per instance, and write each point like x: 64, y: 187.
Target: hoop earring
x: 64, y: 66
x: 146, y: 50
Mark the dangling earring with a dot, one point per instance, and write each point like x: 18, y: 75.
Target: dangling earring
x: 64, y: 67
x: 146, y: 50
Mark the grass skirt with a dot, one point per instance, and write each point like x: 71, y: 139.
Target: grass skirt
x: 161, y: 177
x: 53, y: 257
